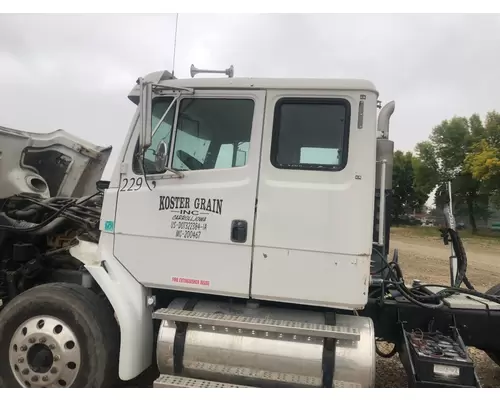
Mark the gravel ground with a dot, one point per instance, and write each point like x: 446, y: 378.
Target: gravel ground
x: 427, y: 259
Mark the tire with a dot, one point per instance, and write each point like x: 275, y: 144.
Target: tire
x: 495, y: 357
x: 58, y: 335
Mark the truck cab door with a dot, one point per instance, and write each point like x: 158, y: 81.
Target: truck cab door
x: 314, y: 222
x: 193, y: 233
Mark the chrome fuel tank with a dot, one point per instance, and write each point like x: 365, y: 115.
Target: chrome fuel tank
x: 264, y: 358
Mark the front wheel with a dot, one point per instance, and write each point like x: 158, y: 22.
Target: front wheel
x: 58, y: 335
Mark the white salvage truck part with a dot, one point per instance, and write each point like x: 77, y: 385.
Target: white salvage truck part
x: 238, y: 243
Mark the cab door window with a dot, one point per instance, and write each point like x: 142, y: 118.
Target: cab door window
x: 212, y: 133
x: 310, y: 134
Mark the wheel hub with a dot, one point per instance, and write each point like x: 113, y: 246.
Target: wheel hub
x: 44, y: 352
x: 40, y: 358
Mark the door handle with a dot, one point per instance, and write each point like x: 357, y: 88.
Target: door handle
x: 239, y: 230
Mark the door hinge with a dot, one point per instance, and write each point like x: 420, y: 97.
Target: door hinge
x: 123, y: 168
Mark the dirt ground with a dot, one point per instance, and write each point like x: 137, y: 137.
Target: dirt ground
x: 426, y: 258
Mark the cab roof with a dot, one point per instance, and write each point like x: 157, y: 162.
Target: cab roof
x: 165, y: 78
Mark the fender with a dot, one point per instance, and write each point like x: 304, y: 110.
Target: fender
x: 129, y: 300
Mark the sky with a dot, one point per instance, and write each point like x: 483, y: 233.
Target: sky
x: 74, y: 72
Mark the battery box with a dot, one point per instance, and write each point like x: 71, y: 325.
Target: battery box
x: 433, y: 359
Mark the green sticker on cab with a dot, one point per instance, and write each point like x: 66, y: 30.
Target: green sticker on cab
x: 109, y: 226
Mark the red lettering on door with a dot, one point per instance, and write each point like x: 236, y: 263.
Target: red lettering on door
x: 190, y: 281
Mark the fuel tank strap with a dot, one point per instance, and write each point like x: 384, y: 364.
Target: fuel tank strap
x: 328, y: 361
x: 180, y: 337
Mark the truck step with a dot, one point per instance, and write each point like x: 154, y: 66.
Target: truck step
x: 171, y: 381
x: 268, y: 378
x: 260, y: 324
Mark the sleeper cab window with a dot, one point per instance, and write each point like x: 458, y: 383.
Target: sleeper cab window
x: 211, y: 133
x: 310, y: 134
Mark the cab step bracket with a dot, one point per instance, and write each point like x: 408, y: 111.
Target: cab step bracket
x: 260, y: 324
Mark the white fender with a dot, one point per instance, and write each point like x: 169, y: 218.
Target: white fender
x: 129, y: 300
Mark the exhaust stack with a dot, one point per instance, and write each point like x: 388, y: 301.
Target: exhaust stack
x: 384, y: 118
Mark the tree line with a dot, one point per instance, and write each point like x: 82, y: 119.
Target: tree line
x: 465, y: 151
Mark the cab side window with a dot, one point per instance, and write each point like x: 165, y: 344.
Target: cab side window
x: 212, y: 133
x: 310, y: 134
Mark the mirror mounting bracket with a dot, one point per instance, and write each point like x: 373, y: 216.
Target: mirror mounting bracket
x: 157, y: 88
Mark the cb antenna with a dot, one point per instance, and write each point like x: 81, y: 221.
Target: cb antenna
x: 175, y: 42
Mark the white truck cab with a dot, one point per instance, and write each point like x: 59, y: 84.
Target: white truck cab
x: 257, y: 189
x: 253, y: 188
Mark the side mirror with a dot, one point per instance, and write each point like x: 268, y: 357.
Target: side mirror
x: 145, y: 105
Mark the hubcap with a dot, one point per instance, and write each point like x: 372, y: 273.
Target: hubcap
x: 44, y: 352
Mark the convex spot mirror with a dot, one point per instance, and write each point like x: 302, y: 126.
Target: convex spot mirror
x: 161, y: 156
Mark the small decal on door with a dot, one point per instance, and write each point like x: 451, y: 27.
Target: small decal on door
x: 189, y: 217
x: 109, y: 226
x: 190, y: 281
